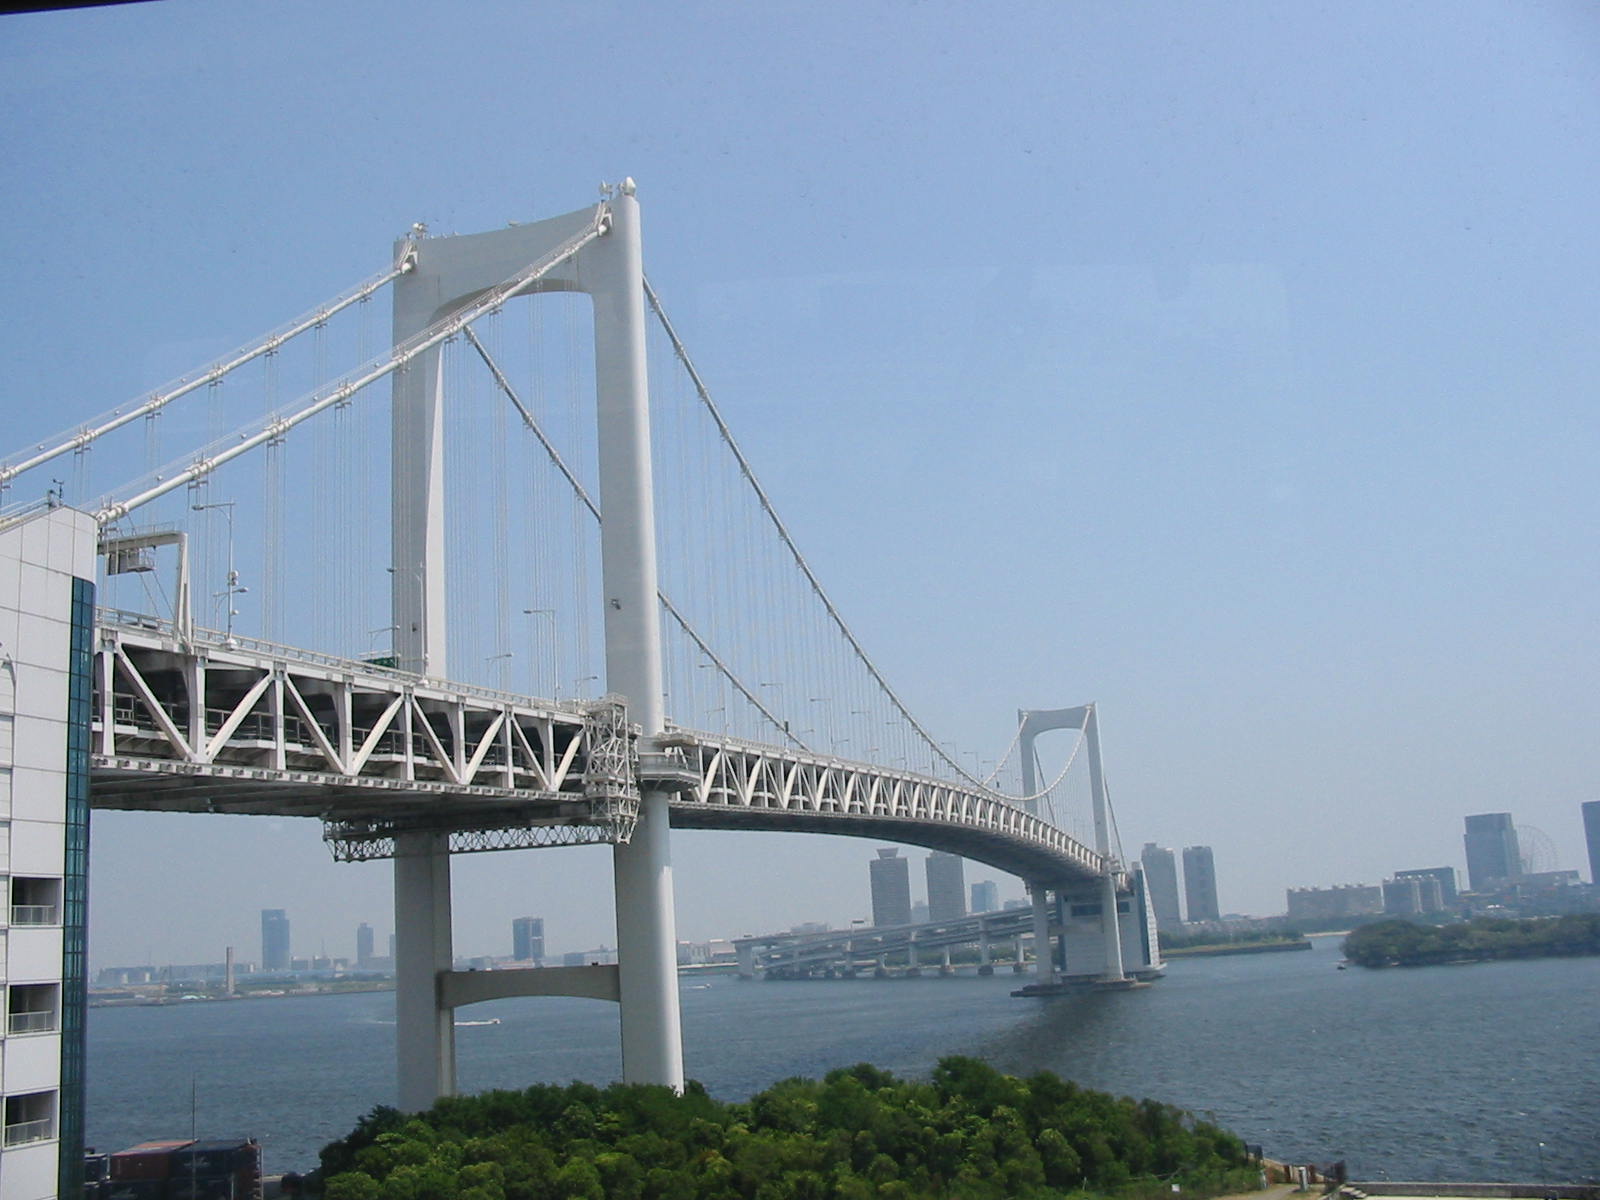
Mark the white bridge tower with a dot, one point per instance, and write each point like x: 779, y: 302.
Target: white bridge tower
x: 446, y: 272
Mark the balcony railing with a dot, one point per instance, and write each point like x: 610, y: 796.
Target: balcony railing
x: 31, y: 1022
x: 35, y: 914
x: 30, y: 1131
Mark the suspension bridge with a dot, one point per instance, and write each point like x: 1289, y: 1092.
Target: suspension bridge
x: 479, y: 686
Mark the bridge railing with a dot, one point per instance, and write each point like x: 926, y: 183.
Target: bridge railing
x: 147, y: 623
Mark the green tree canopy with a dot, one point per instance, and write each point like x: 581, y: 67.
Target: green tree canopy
x: 860, y: 1132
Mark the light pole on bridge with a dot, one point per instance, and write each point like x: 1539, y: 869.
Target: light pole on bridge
x: 504, y: 659
x: 232, y: 587
x: 555, y: 648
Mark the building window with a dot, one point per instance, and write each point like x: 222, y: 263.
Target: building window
x: 75, y: 889
x: 35, y: 901
x: 33, y: 1008
x: 30, y: 1118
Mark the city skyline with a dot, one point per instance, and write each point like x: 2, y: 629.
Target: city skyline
x: 1009, y: 889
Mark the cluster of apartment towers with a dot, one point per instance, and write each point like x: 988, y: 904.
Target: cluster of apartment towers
x: 890, y: 878
x: 1199, y: 884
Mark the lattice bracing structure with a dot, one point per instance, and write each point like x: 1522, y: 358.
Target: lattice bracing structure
x: 728, y: 783
x: 192, y: 725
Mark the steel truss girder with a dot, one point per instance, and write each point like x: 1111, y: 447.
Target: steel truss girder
x: 193, y: 725
x: 355, y: 841
x: 723, y: 782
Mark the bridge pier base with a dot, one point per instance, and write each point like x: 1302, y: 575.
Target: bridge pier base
x: 1044, y: 958
x: 647, y: 947
x: 1110, y: 930
x: 425, y: 1034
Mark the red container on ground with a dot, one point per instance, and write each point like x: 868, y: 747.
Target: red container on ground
x: 147, y: 1160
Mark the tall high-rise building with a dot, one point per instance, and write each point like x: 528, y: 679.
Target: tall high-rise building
x: 1402, y: 896
x: 1591, y: 834
x: 1492, y: 853
x: 527, y: 939
x: 891, y: 887
x: 1161, y: 874
x: 985, y: 896
x: 1200, y: 884
x: 274, y: 939
x: 1443, y: 877
x: 947, y: 887
x: 363, y: 944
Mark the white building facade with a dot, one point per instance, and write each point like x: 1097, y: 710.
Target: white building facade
x: 47, y: 570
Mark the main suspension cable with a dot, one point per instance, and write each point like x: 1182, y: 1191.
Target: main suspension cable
x: 106, y: 423
x: 279, y: 424
x: 748, y: 472
x: 672, y: 610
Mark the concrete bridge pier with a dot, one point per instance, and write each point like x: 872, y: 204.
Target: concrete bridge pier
x: 425, y: 1033
x: 1044, y: 959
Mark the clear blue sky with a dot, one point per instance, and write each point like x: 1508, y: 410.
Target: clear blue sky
x: 1232, y: 366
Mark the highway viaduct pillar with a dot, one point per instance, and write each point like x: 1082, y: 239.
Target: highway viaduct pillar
x: 443, y: 273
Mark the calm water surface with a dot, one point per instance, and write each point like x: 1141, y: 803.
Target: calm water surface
x: 1442, y: 1072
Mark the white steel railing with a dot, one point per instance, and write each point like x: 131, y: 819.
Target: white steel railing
x: 31, y: 1022
x: 30, y: 1131
x: 35, y: 914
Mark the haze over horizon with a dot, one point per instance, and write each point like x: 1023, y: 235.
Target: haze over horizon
x: 1230, y: 367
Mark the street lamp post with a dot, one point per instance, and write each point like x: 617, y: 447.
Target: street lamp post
x: 232, y: 589
x: 500, y: 672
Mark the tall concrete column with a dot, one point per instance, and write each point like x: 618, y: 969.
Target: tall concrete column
x: 1044, y: 959
x: 424, y: 1032
x: 1025, y: 751
x: 1110, y: 931
x: 425, y: 1035
x: 613, y: 273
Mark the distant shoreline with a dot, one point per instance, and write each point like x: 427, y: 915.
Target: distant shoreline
x: 385, y: 985
x: 1221, y: 948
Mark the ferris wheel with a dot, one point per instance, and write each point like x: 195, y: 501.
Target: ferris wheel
x: 1537, y: 849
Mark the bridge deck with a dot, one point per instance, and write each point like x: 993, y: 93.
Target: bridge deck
x: 205, y: 724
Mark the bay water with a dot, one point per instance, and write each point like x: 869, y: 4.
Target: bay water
x: 1431, y: 1073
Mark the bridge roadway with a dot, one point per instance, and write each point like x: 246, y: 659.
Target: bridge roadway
x: 203, y: 723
